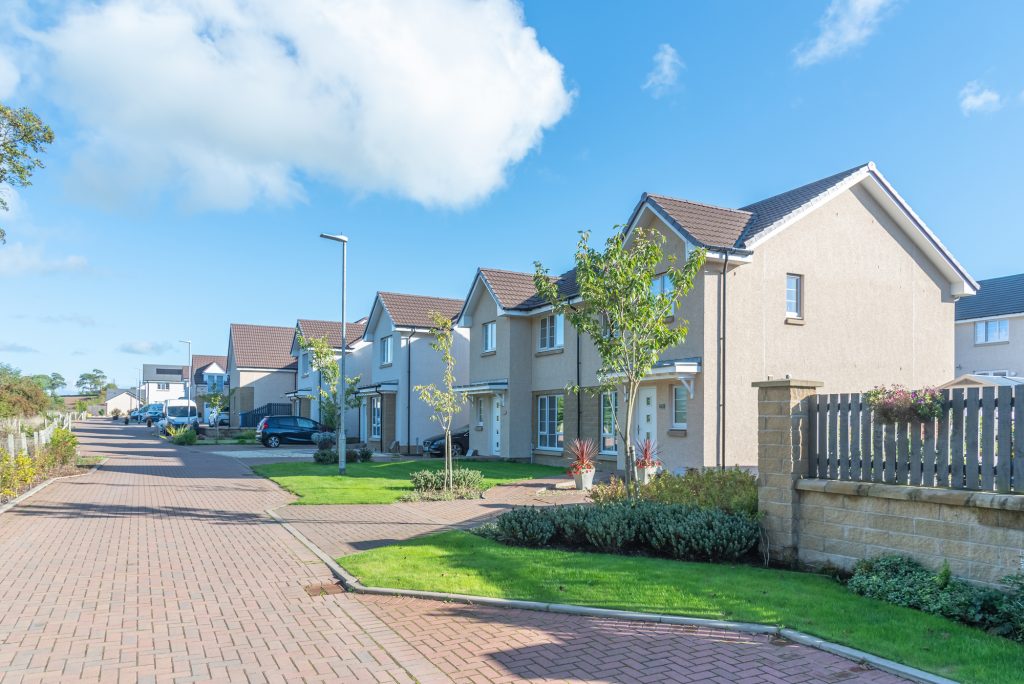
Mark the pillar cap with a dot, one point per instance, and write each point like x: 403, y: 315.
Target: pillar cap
x: 790, y: 383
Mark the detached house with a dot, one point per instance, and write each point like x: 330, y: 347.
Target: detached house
x: 209, y: 376
x: 162, y: 382
x: 261, y: 370
x: 306, y: 396
x: 990, y: 329
x: 837, y: 281
x: 399, y: 357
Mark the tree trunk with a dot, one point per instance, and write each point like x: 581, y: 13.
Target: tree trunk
x: 448, y: 475
x: 630, y: 465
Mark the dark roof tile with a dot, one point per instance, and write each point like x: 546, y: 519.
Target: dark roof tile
x: 997, y: 297
x: 262, y: 346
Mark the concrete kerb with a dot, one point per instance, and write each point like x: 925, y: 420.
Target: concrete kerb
x: 353, y: 585
x: 43, y: 485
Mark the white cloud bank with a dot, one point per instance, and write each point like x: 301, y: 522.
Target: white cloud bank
x: 144, y: 347
x: 15, y: 348
x: 233, y: 101
x: 846, y: 25
x: 9, y: 77
x: 18, y: 260
x: 665, y: 73
x: 974, y: 97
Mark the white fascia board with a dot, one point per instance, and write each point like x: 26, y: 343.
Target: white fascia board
x: 1019, y: 314
x: 219, y: 371
x: 464, y: 319
x: 373, y: 318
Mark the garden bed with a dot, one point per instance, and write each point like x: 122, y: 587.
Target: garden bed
x: 464, y: 563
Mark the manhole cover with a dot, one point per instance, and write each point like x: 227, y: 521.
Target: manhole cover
x: 324, y: 588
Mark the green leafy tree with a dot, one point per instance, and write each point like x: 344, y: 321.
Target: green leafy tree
x: 91, y: 383
x: 324, y: 360
x: 20, y: 396
x: 444, y: 400
x: 57, y: 381
x: 624, y: 316
x: 216, y: 401
x: 23, y: 137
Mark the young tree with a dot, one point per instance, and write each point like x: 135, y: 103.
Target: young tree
x: 23, y: 136
x: 625, y: 317
x: 444, y: 400
x: 216, y: 401
x: 323, y: 360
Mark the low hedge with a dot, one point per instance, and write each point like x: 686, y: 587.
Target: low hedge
x: 673, y: 530
x: 730, y: 489
x: 433, y: 480
x: 905, y: 582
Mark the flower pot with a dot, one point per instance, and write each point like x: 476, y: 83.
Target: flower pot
x: 584, y: 480
x: 645, y: 475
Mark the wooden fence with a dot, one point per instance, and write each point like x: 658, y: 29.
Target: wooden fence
x: 971, y: 446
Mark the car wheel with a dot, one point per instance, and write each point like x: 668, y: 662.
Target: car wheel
x: 273, y: 441
x: 456, y: 450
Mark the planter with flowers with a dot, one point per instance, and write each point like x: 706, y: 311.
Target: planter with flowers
x: 582, y: 467
x: 647, y: 462
x: 897, y: 404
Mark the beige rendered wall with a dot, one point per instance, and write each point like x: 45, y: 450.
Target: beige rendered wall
x: 267, y: 386
x: 997, y: 356
x: 875, y: 312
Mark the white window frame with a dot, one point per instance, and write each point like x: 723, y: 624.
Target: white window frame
x: 550, y: 434
x: 994, y: 331
x: 304, y: 362
x: 552, y: 332
x: 376, y: 413
x: 609, y: 402
x: 386, y: 351
x: 662, y: 284
x: 798, y: 310
x: 676, y: 392
x: 166, y: 386
x: 479, y: 411
x: 490, y: 337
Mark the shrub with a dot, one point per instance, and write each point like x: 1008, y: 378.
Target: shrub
x: 731, y: 490
x: 326, y: 456
x: 583, y: 452
x: 246, y: 437
x: 694, y: 533
x: 1009, y: 618
x: 527, y: 526
x: 571, y: 524
x: 63, y: 446
x: 116, y: 413
x: 183, y: 435
x: 898, y: 404
x: 324, y: 441
x: 612, y: 528
x: 365, y: 455
x: 433, y: 480
x: 351, y: 456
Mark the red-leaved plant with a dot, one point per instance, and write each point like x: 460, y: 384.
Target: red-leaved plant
x: 583, y: 452
x: 647, y: 454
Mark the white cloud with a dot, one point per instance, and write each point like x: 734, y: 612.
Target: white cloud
x: 846, y: 24
x: 230, y: 102
x: 144, y: 347
x: 16, y: 348
x: 974, y: 97
x: 665, y: 72
x: 9, y: 77
x: 74, y: 319
x: 18, y: 260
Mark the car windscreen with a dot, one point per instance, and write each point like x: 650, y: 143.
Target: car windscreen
x: 179, y: 411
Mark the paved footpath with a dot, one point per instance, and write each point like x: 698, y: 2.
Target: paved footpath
x: 162, y: 566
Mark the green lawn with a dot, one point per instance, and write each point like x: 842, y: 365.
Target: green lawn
x: 462, y: 563
x: 371, y: 483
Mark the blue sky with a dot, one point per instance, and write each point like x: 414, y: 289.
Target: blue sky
x: 177, y: 200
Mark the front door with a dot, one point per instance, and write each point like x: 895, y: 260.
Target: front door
x: 647, y: 414
x: 496, y: 425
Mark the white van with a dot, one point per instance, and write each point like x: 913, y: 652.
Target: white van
x: 179, y: 412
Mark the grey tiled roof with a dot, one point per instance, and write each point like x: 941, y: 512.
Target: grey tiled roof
x: 997, y: 297
x: 163, y: 372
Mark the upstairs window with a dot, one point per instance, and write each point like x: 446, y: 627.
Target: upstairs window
x: 385, y: 351
x: 552, y: 332
x: 662, y: 284
x: 490, y: 343
x: 794, y: 296
x: 987, y: 332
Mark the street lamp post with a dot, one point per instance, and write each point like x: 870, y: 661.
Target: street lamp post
x: 188, y: 380
x: 342, y: 438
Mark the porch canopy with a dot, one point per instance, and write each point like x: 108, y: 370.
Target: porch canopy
x: 390, y: 387
x: 681, y: 370
x: 483, y: 387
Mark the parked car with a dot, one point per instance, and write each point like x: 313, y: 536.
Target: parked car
x: 180, y: 412
x: 223, y: 419
x: 273, y: 431
x: 152, y: 414
x: 460, y: 443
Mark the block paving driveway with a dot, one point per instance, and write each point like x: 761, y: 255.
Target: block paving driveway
x: 162, y: 566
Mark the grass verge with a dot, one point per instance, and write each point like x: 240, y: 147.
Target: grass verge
x: 373, y: 483
x: 463, y: 563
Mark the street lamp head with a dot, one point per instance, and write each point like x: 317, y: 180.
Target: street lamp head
x: 336, y: 238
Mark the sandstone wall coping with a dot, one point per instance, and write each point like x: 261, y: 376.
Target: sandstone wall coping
x: 935, y: 495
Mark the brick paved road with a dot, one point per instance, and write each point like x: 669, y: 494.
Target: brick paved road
x: 130, y: 574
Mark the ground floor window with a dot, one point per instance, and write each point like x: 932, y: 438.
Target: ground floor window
x: 479, y: 410
x: 375, y: 417
x: 680, y: 396
x: 609, y: 412
x: 550, y: 415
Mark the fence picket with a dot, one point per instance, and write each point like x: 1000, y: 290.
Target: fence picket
x: 833, y: 436
x: 1016, y: 480
x: 865, y: 438
x: 1004, y: 439
x: 988, y: 430
x: 942, y: 455
x: 889, y: 457
x: 855, y: 452
x: 843, y: 452
x: 916, y: 463
x: 971, y: 433
x: 956, y: 457
x: 878, y: 451
x: 902, y: 453
x: 822, y: 455
x: 928, y: 455
x: 812, y: 437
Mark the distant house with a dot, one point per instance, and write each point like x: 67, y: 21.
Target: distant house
x: 400, y: 358
x: 209, y: 376
x: 990, y: 329
x: 124, y: 400
x: 306, y: 397
x: 261, y: 371
x: 162, y: 382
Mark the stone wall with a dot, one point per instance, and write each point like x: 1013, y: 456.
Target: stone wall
x: 814, y: 521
